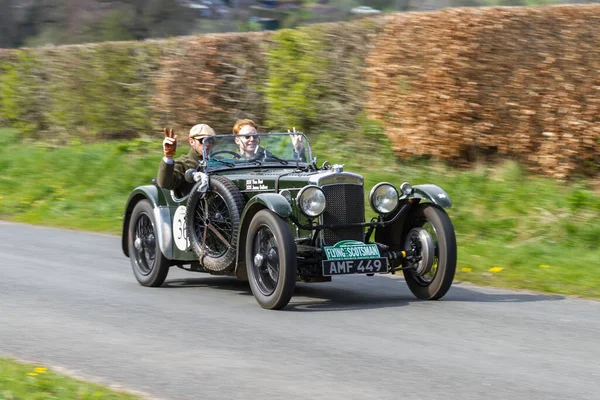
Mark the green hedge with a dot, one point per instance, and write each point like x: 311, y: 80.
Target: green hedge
x: 107, y: 91
x: 22, y: 91
x: 317, y: 77
x: 97, y: 90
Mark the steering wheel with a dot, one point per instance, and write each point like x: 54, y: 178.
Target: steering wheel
x: 231, y: 153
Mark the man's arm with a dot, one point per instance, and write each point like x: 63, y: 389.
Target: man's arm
x: 170, y: 174
x: 298, y: 152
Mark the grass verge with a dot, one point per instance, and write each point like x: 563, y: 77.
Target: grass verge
x: 27, y: 381
x: 514, y: 229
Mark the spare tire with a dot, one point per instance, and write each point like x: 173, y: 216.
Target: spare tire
x: 213, y: 220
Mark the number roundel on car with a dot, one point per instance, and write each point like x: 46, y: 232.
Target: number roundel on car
x: 180, y: 235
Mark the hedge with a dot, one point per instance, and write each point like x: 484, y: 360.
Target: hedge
x: 520, y: 82
x: 457, y: 84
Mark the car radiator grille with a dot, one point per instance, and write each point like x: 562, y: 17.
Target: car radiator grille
x: 345, y: 205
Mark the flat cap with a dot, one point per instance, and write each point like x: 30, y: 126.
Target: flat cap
x: 201, y: 130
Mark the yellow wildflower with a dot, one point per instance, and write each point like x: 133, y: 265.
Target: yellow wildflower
x: 544, y: 266
x: 496, y: 269
x: 32, y: 374
x: 40, y: 370
x: 466, y: 269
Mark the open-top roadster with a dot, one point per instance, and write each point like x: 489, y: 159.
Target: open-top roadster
x: 276, y: 218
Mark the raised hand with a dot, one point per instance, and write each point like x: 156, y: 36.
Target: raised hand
x: 296, y: 140
x: 169, y: 143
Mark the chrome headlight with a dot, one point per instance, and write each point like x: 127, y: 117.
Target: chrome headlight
x: 383, y: 198
x: 406, y: 189
x: 311, y: 201
x: 286, y: 194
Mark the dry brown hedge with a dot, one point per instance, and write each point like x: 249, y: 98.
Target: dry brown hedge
x: 519, y: 82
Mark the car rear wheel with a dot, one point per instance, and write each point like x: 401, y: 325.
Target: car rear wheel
x: 430, y: 235
x: 271, y: 260
x: 149, y: 265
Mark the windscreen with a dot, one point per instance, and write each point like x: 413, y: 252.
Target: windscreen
x: 272, y: 149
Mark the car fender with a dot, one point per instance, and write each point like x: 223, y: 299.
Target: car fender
x: 433, y: 193
x: 274, y: 202
x: 161, y: 214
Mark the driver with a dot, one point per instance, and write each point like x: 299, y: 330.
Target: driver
x: 248, y: 142
x: 171, y: 172
x: 246, y: 139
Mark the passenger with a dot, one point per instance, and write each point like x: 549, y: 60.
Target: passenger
x: 171, y: 172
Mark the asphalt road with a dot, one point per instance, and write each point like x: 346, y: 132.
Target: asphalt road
x: 69, y: 300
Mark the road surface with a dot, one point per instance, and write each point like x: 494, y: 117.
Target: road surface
x: 69, y: 300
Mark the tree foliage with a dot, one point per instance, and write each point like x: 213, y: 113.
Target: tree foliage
x: 40, y: 22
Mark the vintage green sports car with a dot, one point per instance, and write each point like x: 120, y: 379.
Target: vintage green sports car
x: 275, y: 218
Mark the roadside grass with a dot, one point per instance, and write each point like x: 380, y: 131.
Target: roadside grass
x: 79, y: 186
x: 514, y: 229
x: 27, y: 381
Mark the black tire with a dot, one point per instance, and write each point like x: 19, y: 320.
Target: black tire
x: 273, y: 280
x: 434, y: 221
x: 149, y: 265
x: 225, y: 203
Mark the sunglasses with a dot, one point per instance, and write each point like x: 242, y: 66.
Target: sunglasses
x: 248, y: 137
x: 206, y: 140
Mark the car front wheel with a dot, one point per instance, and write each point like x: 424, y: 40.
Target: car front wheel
x: 271, y: 260
x: 430, y: 236
x: 149, y: 265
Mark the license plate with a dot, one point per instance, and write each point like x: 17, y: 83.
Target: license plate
x: 355, y: 266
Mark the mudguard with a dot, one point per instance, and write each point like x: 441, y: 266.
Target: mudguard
x: 273, y: 201
x: 433, y: 193
x: 161, y: 214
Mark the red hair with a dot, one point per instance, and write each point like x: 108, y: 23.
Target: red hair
x: 240, y: 123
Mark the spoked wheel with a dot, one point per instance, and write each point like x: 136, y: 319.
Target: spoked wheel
x: 213, y: 220
x: 150, y: 266
x: 430, y: 236
x: 213, y: 225
x: 271, y: 260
